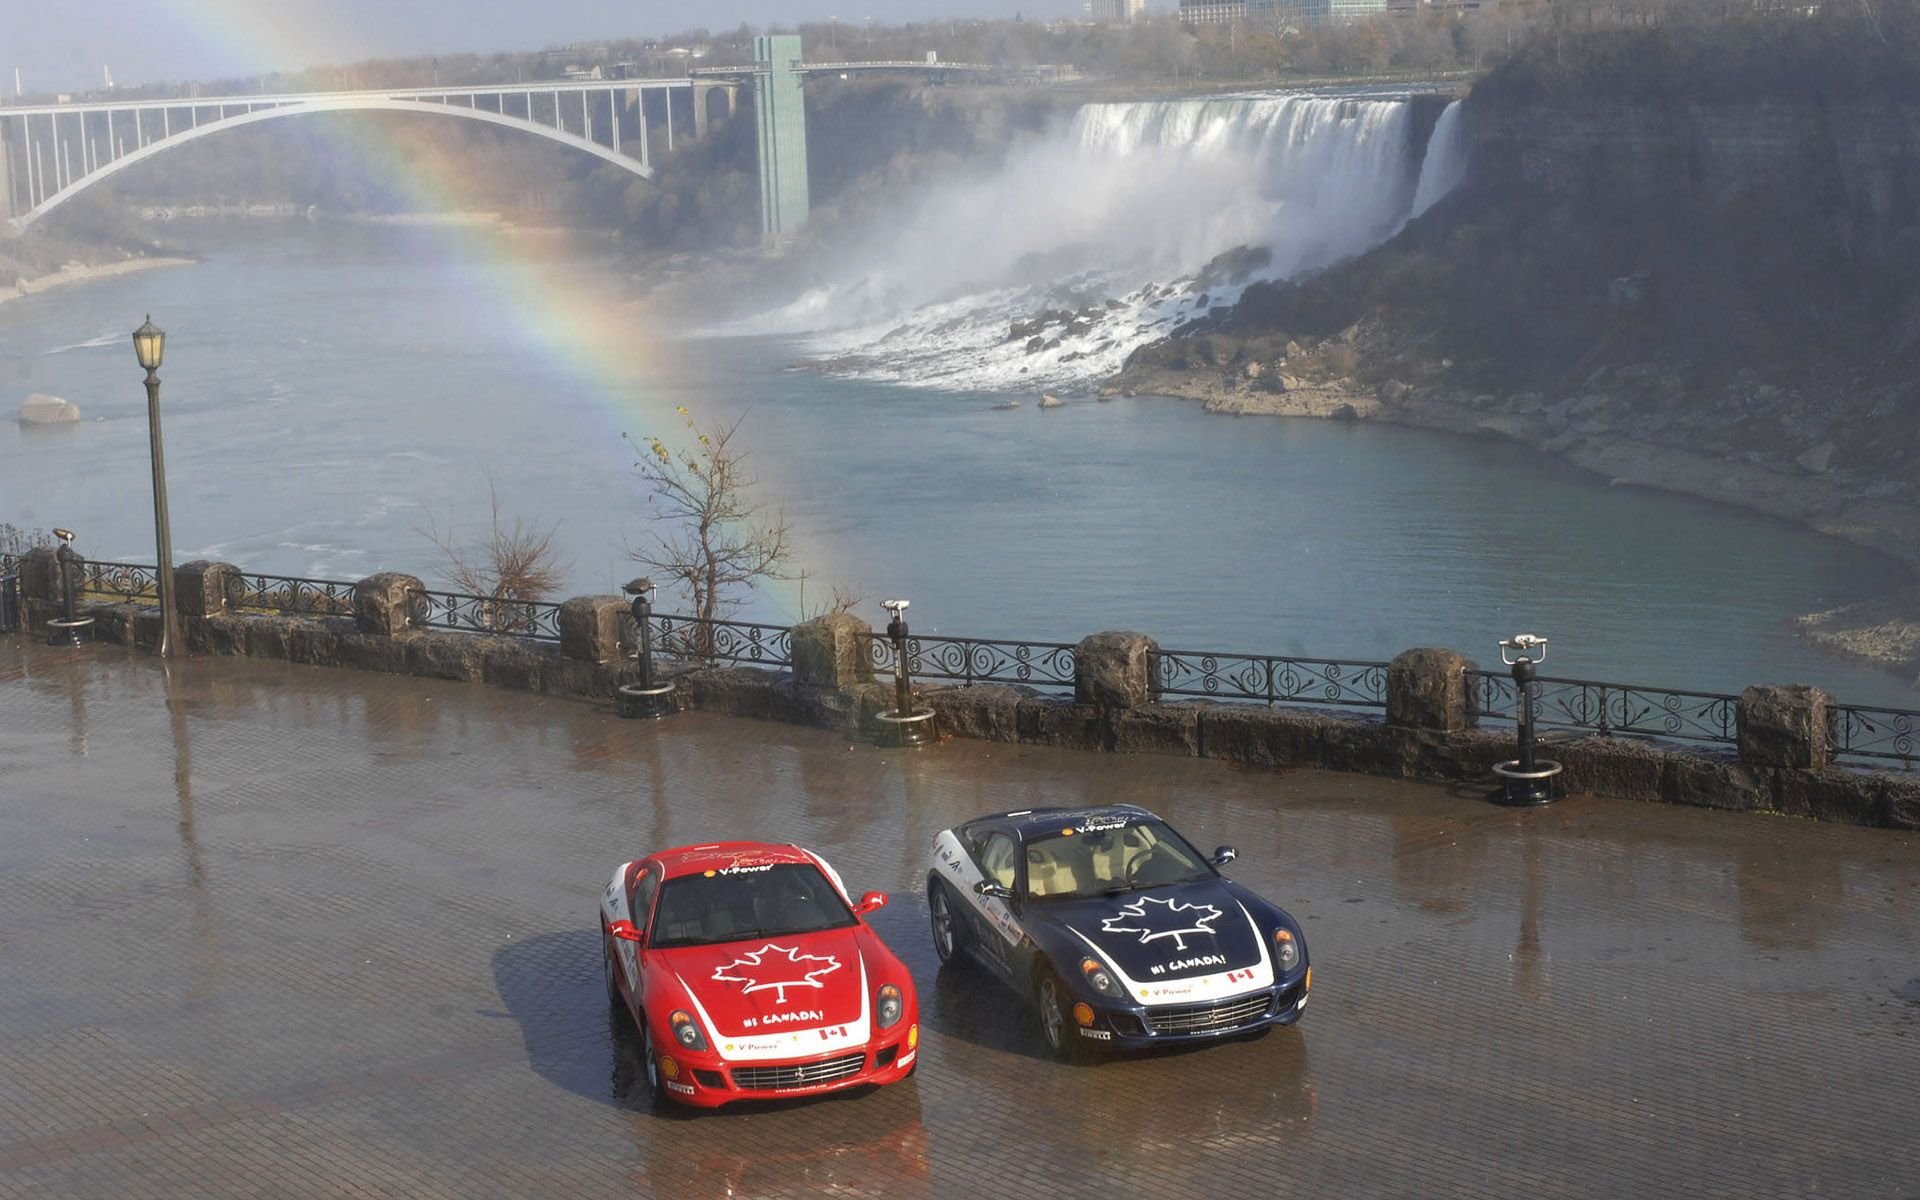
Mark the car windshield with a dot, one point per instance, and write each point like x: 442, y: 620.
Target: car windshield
x: 732, y: 903
x: 1099, y: 862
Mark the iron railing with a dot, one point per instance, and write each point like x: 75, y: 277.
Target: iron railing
x: 1044, y: 665
x: 292, y: 595
x: 119, y: 581
x: 1271, y: 679
x: 1857, y: 731
x: 694, y: 640
x: 464, y: 612
x: 1612, y: 709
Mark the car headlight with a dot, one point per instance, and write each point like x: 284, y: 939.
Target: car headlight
x: 1101, y: 978
x: 890, y: 1006
x: 1286, y: 951
x: 686, y: 1030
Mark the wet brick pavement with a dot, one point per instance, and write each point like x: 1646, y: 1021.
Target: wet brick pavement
x: 285, y: 931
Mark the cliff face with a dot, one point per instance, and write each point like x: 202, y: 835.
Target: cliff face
x: 1853, y: 159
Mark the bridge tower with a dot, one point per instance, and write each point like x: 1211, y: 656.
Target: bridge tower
x: 780, y: 121
x: 7, y: 207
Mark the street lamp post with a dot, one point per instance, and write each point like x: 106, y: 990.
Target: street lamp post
x: 150, y: 347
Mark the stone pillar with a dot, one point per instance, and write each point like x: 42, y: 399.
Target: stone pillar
x: 831, y: 652
x: 1430, y: 689
x: 40, y: 575
x: 1115, y: 670
x: 206, y: 589
x: 385, y: 603
x: 590, y: 627
x: 1783, y: 725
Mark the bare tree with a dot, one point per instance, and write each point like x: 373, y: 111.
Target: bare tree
x: 515, y: 564
x: 717, y: 538
x: 17, y: 541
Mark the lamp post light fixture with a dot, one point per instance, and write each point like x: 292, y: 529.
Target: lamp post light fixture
x: 150, y: 347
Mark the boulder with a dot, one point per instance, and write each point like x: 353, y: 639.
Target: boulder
x: 1818, y: 459
x: 41, y: 409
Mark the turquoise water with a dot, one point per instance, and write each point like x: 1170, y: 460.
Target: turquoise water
x: 332, y: 392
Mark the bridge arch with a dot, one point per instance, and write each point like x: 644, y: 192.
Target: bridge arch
x: 325, y: 105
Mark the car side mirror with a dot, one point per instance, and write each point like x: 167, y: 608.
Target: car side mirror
x: 1223, y: 856
x: 624, y: 930
x: 871, y: 901
x: 987, y: 887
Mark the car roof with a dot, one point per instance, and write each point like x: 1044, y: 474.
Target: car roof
x: 1031, y: 823
x: 718, y: 856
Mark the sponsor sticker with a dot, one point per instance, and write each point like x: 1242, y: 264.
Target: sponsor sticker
x: 685, y: 1089
x: 1098, y: 1035
x: 1100, y: 825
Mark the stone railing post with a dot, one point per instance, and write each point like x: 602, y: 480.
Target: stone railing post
x: 1430, y: 689
x: 206, y: 589
x: 590, y: 628
x: 40, y: 575
x: 1783, y: 725
x: 384, y: 603
x: 1115, y: 670
x: 831, y: 652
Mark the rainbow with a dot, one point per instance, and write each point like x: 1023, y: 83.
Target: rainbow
x: 587, y: 326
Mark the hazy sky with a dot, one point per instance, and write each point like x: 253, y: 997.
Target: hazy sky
x: 63, y: 44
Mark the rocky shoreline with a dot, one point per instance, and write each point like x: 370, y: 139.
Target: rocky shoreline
x: 1605, y: 432
x: 76, y: 272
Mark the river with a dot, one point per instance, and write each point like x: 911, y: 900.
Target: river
x: 333, y: 389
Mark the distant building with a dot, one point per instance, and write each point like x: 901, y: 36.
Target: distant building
x: 1280, y: 12
x: 1212, y: 12
x: 1115, y: 12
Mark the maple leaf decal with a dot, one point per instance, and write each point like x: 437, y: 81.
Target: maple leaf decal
x: 764, y: 968
x: 1180, y: 918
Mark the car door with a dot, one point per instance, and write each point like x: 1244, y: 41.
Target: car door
x: 996, y: 925
x: 645, y: 887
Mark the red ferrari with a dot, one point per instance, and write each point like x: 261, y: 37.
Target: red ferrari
x: 751, y: 975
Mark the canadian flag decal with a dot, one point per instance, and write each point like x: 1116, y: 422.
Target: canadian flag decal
x: 776, y: 967
x: 1245, y: 974
x: 1173, y: 918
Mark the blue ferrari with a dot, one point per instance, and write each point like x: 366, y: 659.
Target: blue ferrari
x: 1115, y: 928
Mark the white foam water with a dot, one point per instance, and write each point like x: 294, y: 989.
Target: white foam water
x: 1089, y: 243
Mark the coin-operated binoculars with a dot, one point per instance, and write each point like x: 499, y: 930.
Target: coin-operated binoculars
x: 645, y: 696
x: 1527, y: 779
x: 903, y: 725
x: 68, y: 629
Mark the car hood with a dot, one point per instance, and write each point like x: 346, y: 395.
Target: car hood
x: 1179, y: 931
x: 780, y: 984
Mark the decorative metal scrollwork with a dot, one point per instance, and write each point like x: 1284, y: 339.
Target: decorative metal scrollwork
x: 1271, y: 679
x: 1855, y: 731
x: 1045, y: 665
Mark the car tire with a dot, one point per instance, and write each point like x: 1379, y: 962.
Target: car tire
x: 651, y: 1079
x: 949, y: 924
x: 1052, y: 1004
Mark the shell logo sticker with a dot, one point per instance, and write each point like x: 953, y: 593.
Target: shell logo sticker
x: 1175, y: 919
x: 777, y: 968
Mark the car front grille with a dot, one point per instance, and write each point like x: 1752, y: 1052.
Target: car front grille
x: 1215, y: 1017
x: 804, y: 1075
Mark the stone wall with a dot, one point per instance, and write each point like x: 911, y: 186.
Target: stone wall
x: 1428, y: 729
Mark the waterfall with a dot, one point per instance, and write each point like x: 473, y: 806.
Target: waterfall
x: 1100, y: 232
x: 1445, y: 164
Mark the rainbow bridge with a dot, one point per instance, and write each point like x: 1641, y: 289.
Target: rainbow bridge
x: 51, y: 153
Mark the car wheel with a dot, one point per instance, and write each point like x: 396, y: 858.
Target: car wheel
x: 656, y: 1084
x: 1051, y: 1002
x: 949, y: 926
